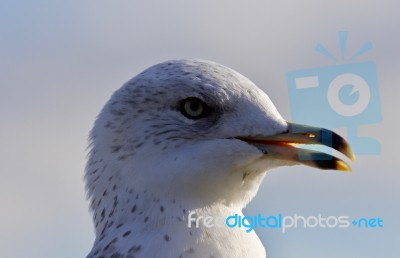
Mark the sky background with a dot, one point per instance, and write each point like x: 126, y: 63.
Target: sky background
x: 61, y: 60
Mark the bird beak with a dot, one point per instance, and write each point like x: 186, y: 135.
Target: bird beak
x: 284, y: 147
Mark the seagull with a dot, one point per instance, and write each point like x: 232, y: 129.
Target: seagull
x: 183, y: 137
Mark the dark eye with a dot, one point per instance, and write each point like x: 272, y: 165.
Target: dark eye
x: 194, y: 108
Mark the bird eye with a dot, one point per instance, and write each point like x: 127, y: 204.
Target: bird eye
x: 194, y: 108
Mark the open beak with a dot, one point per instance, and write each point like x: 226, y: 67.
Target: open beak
x: 283, y: 146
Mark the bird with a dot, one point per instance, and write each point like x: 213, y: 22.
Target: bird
x: 189, y: 136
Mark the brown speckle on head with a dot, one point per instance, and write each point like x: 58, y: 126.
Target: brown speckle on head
x: 134, y: 249
x: 167, y: 238
x: 115, y: 240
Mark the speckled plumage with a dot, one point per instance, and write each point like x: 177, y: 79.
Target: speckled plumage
x: 149, y: 165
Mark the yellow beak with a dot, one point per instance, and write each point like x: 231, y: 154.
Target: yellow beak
x: 282, y: 146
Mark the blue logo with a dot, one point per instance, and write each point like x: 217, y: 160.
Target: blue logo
x: 339, y: 96
x: 282, y: 222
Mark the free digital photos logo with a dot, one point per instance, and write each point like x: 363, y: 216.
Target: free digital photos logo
x: 283, y: 222
x: 345, y: 95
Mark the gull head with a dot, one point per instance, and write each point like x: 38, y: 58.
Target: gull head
x: 194, y: 132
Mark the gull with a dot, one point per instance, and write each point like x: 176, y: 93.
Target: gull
x: 189, y: 136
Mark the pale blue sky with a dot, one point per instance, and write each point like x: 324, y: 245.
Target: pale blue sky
x: 61, y: 60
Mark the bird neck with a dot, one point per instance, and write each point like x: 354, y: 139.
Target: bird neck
x: 142, y: 208
x: 143, y: 225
